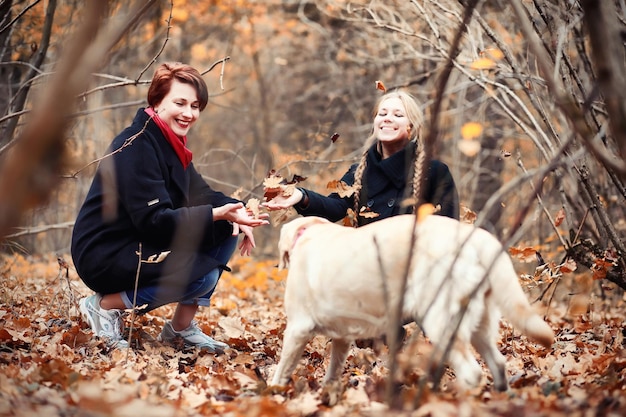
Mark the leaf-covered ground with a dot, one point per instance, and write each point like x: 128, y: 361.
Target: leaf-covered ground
x: 51, y: 365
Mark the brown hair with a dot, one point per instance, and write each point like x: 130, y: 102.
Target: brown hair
x: 416, y: 118
x: 166, y: 73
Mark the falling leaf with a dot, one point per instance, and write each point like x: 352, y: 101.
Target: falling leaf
x: 367, y: 213
x: 483, y: 64
x: 380, y: 86
x: 341, y: 188
x: 467, y: 215
x: 505, y: 154
x: 350, y: 219
x: 524, y: 254
x: 237, y: 193
x: 560, y: 216
x: 471, y: 130
x: 469, y: 148
x: 334, y: 137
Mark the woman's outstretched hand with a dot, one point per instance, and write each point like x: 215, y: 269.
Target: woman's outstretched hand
x: 281, y: 202
x: 237, y: 213
x: 242, y: 222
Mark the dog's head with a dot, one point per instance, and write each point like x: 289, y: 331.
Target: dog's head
x: 289, y: 234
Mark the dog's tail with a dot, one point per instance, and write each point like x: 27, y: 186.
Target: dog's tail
x: 514, y: 304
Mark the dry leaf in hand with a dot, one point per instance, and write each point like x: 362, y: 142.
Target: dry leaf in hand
x: 272, y: 185
x: 287, y: 190
x: 254, y: 207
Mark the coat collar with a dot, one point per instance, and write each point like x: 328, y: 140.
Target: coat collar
x: 177, y: 173
x: 390, y: 172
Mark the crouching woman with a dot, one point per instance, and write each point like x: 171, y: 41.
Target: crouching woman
x: 147, y: 200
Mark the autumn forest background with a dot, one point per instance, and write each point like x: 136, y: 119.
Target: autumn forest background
x: 525, y: 100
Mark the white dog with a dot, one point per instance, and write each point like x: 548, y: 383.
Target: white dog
x: 343, y: 282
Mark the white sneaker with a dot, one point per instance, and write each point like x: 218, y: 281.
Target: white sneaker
x: 106, y: 324
x: 192, y: 336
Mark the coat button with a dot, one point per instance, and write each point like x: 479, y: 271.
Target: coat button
x: 391, y: 202
x: 370, y: 203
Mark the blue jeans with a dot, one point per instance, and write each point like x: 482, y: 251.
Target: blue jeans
x: 197, y: 292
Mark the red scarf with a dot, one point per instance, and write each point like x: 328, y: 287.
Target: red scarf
x: 179, y: 144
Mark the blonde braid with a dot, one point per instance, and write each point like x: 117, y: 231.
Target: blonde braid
x: 358, y: 184
x: 420, y: 159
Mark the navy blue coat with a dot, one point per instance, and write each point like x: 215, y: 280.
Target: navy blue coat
x: 142, y: 194
x: 384, y: 184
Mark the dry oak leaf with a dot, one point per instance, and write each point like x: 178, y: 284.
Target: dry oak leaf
x: 524, y: 254
x: 341, y: 188
x: 560, y: 216
x: 254, y: 207
x: 467, y: 215
x: 233, y: 327
x: 272, y: 186
x: 366, y: 213
x: 568, y: 266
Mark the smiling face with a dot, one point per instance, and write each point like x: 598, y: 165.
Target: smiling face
x: 180, y: 107
x: 391, y: 124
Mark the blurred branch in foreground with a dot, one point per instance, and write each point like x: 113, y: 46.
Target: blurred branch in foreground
x: 31, y: 170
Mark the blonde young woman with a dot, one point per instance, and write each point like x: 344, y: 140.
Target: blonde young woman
x: 386, y: 174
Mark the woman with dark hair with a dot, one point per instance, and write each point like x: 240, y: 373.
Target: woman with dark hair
x: 151, y: 231
x: 388, y: 174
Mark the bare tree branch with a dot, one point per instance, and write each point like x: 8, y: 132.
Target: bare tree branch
x: 31, y: 172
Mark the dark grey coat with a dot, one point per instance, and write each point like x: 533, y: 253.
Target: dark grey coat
x: 384, y: 184
x: 142, y: 194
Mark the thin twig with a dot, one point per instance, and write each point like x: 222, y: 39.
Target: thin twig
x: 167, y: 38
x: 132, y: 313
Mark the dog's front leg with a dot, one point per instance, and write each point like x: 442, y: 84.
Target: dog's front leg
x: 338, y: 354
x: 294, y: 340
